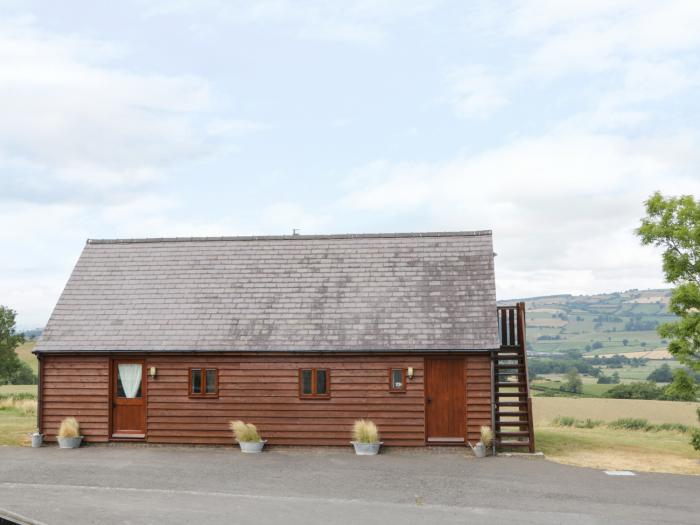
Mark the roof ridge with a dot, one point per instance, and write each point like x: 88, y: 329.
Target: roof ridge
x: 475, y: 233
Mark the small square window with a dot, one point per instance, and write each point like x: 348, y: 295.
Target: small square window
x: 397, y: 379
x: 314, y: 383
x: 211, y: 381
x: 204, y: 382
x: 196, y: 375
x: 321, y: 387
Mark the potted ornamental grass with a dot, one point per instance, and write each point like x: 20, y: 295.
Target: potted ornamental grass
x: 69, y: 433
x: 247, y: 436
x: 481, y: 449
x: 366, y: 438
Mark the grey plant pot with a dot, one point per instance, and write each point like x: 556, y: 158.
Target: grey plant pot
x: 64, y: 442
x: 37, y: 439
x: 366, y: 449
x: 252, y: 447
x: 479, y: 449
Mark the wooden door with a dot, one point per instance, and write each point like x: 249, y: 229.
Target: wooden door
x: 128, y: 399
x: 445, y: 400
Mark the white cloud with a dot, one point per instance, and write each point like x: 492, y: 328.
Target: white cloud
x: 89, y: 125
x: 284, y: 217
x: 474, y: 92
x: 86, y: 147
x: 643, y: 50
x: 563, y: 208
x: 349, y: 21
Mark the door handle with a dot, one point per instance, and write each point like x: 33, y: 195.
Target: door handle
x: 428, y: 399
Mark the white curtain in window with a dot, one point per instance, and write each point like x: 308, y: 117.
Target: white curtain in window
x: 130, y: 375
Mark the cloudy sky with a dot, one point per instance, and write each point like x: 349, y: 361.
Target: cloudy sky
x: 548, y: 122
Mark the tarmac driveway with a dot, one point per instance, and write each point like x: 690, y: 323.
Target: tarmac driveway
x: 127, y: 484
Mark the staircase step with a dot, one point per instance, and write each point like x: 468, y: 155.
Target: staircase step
x: 510, y: 384
x: 512, y: 426
x: 513, y: 443
x: 511, y: 394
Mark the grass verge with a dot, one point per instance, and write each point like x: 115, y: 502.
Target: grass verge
x: 15, y: 426
x: 618, y: 449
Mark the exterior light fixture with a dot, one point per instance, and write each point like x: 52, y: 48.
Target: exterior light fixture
x: 152, y: 372
x: 409, y: 372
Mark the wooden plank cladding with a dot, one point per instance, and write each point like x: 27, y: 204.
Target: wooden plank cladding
x: 478, y: 395
x: 76, y: 386
x: 264, y: 390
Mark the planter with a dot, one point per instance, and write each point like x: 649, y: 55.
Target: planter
x: 64, y: 442
x: 252, y: 447
x: 37, y: 439
x: 479, y: 449
x: 366, y: 449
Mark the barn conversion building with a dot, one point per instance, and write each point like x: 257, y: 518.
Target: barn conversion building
x: 167, y: 340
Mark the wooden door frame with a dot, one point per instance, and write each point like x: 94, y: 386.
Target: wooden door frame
x: 144, y: 395
x: 444, y: 357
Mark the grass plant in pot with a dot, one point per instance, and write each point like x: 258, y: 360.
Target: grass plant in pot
x: 69, y: 433
x: 483, y: 447
x: 366, y: 438
x: 247, y: 436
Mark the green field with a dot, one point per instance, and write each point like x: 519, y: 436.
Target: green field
x: 24, y: 351
x: 18, y: 389
x: 590, y: 389
x: 617, y: 322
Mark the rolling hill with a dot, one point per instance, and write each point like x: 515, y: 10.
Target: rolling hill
x: 614, y: 323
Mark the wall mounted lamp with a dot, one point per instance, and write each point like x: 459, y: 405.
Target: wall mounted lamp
x: 152, y: 372
x: 409, y: 372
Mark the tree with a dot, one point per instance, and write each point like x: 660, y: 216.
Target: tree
x: 683, y: 387
x: 646, y: 390
x: 572, y: 382
x: 695, y: 439
x: 625, y: 342
x: 674, y: 224
x: 10, y: 364
x: 663, y: 374
x: 604, y: 380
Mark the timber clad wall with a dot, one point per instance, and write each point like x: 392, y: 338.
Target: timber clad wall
x: 478, y: 395
x: 76, y: 386
x: 261, y: 389
x: 265, y: 391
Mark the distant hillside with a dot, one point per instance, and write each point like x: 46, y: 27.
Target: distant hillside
x: 619, y: 322
x: 24, y: 351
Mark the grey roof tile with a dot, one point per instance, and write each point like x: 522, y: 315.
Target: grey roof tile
x: 430, y: 291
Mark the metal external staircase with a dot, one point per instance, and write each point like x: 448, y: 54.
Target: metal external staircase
x: 512, y: 404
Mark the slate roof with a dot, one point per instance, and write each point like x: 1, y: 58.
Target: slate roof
x: 370, y: 292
